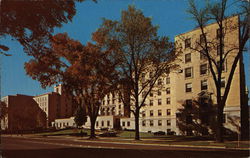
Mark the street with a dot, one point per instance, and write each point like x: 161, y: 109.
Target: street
x: 52, y: 147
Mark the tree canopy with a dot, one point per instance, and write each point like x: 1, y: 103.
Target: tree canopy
x: 138, y: 51
x: 85, y: 71
x: 32, y: 22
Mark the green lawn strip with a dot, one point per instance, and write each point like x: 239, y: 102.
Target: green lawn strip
x: 63, y: 132
x: 150, y: 138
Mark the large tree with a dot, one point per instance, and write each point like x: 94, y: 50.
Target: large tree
x: 142, y: 55
x: 218, y: 51
x: 32, y: 22
x: 85, y: 71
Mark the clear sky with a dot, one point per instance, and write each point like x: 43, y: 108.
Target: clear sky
x: 170, y: 15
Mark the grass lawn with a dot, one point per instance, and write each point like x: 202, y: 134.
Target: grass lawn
x: 128, y: 136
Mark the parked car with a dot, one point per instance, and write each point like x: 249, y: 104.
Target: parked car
x: 159, y: 133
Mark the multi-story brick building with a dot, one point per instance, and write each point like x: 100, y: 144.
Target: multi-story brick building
x: 55, y: 105
x: 23, y: 114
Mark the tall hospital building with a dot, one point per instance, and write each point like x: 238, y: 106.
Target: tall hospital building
x: 183, y: 85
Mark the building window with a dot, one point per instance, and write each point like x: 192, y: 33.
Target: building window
x: 159, y: 81
x: 202, y: 38
x: 168, y: 122
x: 168, y: 80
x: 218, y: 49
x: 168, y: 101
x: 203, y: 84
x: 159, y: 101
x: 188, y: 72
x: 159, y: 122
x: 168, y: 90
x: 189, y: 103
x: 218, y: 33
x: 223, y: 82
x: 203, y: 55
x: 143, y: 77
x: 143, y: 113
x: 188, y: 58
x: 203, y: 69
x: 188, y: 43
x: 143, y: 123
x: 151, y: 112
x: 159, y: 113
x: 151, y: 102
x: 120, y: 99
x: 159, y: 92
x: 108, y: 101
x: 151, y: 94
x: 123, y: 123
x: 128, y: 123
x: 151, y: 123
x: 223, y: 66
x: 168, y: 112
x: 97, y: 123
x: 188, y: 87
x: 108, y: 123
x: 113, y: 101
x: 102, y: 123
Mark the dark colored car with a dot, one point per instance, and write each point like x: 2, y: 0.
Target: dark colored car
x: 159, y: 133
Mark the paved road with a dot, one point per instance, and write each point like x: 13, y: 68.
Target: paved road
x: 22, y: 147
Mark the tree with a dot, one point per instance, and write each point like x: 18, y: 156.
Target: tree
x: 217, y: 12
x: 80, y: 117
x: 197, y: 116
x: 142, y: 56
x: 85, y: 71
x: 32, y: 22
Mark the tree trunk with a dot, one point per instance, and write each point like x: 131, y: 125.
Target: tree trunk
x: 219, y: 127
x: 137, y: 131
x: 92, y: 129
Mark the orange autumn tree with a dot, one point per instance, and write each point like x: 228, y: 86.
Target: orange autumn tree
x: 32, y: 23
x: 85, y: 71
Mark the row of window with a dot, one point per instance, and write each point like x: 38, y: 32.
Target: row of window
x: 168, y: 101
x: 203, y: 70
x: 189, y: 71
x: 151, y: 113
x: 151, y: 123
x: 203, y: 85
x: 103, y: 124
x: 41, y: 99
x: 109, y: 101
x: 202, y: 39
x: 159, y: 92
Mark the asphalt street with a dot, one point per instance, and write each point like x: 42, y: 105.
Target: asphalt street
x: 53, y: 147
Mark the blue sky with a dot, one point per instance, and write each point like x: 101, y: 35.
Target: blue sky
x: 170, y: 15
